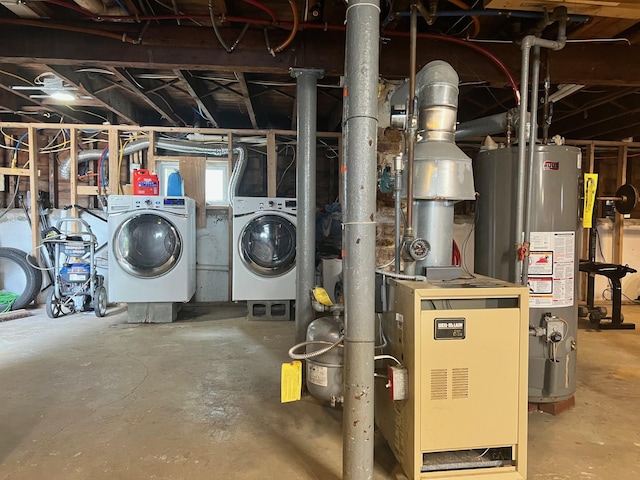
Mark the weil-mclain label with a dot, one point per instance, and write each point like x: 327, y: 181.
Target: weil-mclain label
x: 449, y: 328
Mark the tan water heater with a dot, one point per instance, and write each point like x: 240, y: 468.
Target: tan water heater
x: 464, y: 344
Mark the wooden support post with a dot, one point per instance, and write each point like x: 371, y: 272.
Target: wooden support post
x: 230, y: 166
x: 54, y: 191
x: 73, y: 170
x: 114, y: 155
x: 272, y: 165
x: 33, y: 187
x: 618, y: 224
x: 151, y: 153
x: 193, y: 173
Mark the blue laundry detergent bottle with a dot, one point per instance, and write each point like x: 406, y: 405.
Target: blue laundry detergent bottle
x: 175, y: 186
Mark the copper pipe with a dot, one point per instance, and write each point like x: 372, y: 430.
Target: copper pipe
x: 413, y: 32
x: 294, y: 30
x: 56, y: 26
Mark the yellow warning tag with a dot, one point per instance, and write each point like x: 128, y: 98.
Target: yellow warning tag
x: 291, y: 382
x: 590, y: 187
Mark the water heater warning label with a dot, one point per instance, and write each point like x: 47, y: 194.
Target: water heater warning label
x: 449, y: 328
x: 551, y: 269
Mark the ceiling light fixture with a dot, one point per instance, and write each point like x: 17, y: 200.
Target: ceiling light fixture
x: 51, y: 86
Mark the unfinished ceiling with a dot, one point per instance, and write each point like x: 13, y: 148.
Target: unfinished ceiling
x: 161, y: 62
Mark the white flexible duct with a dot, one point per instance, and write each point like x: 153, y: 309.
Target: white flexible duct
x: 179, y: 146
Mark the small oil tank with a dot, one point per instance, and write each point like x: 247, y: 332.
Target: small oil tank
x: 553, y: 259
x: 324, y: 372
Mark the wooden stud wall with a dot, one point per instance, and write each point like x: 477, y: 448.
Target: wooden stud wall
x: 113, y: 133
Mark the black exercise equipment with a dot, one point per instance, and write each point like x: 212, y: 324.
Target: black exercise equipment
x: 625, y: 200
x: 614, y: 273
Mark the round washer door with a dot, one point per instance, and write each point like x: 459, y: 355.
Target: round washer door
x: 268, y: 245
x: 147, y: 245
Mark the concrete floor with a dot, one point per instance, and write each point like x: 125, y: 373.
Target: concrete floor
x: 89, y: 398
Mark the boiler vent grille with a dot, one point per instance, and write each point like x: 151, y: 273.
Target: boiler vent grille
x: 441, y: 378
x: 439, y: 381
x: 460, y: 383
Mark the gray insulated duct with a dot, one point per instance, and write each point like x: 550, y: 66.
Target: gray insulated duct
x: 442, y: 173
x: 180, y: 146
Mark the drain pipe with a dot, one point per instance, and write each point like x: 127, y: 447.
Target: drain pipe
x: 409, y: 262
x: 307, y: 113
x: 533, y: 135
x: 528, y: 42
x: 397, y: 205
x: 359, y: 241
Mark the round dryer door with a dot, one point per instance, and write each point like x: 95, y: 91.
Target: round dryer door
x: 147, y: 245
x: 268, y: 245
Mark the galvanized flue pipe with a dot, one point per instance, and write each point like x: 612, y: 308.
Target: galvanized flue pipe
x: 307, y: 105
x: 360, y: 133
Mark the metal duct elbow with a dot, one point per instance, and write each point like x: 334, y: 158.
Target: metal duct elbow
x: 437, y: 94
x: 442, y: 171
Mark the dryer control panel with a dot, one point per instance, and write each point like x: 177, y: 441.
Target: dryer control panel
x: 244, y: 205
x: 126, y: 203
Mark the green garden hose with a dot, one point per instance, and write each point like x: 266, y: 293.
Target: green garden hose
x: 6, y: 300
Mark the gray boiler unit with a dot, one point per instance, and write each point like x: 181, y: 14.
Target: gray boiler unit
x: 553, y: 255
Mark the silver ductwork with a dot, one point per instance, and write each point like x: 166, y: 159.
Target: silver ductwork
x: 437, y: 94
x: 442, y: 173
x: 179, y: 146
x: 481, y: 127
x: 238, y: 171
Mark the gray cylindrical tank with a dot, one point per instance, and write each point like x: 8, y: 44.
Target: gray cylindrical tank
x: 324, y: 372
x: 553, y: 260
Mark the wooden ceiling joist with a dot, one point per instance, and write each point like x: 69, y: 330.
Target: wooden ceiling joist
x: 244, y: 87
x: 134, y: 86
x: 602, y: 100
x: 112, y: 100
x: 198, y: 92
x: 13, y: 107
x: 594, y: 64
x: 596, y: 8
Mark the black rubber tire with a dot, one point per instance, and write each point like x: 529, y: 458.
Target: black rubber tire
x: 100, y: 301
x: 33, y: 276
x: 54, y: 307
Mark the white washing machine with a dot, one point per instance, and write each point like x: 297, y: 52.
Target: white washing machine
x: 152, y: 250
x: 264, y: 248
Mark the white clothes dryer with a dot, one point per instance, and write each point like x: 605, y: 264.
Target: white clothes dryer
x: 152, y: 251
x: 264, y: 248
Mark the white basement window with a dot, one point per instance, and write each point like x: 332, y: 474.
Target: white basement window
x: 216, y: 180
